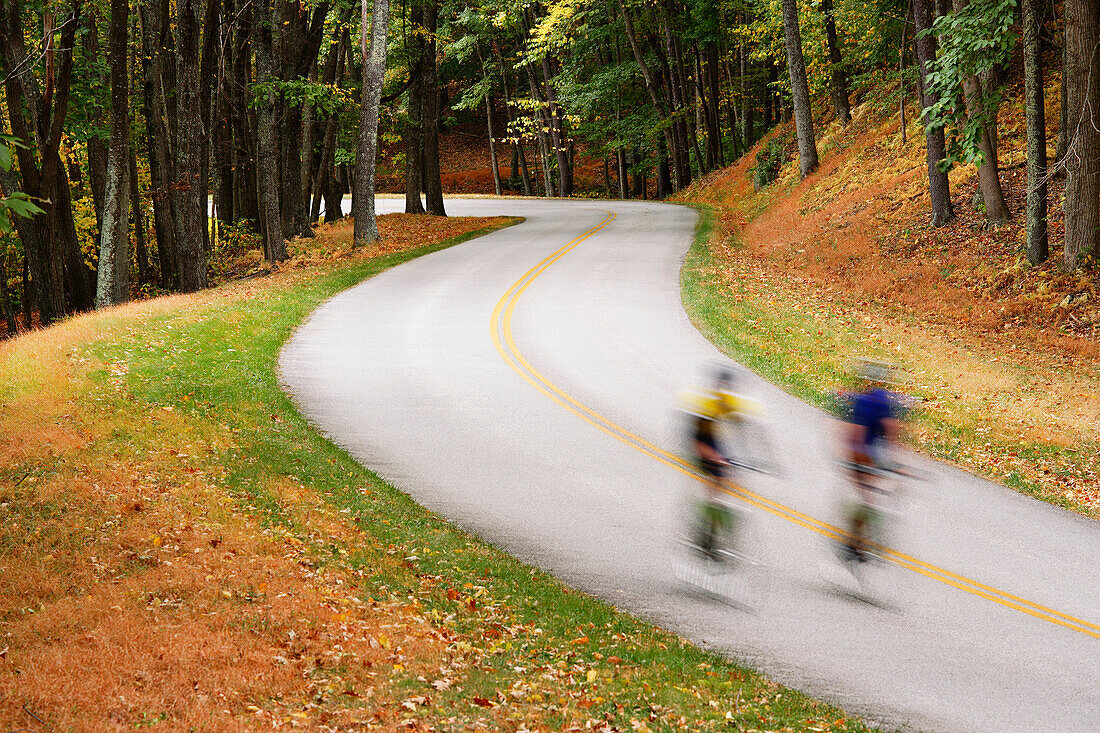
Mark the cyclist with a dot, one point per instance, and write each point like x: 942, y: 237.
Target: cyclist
x: 874, y: 419
x: 707, y: 410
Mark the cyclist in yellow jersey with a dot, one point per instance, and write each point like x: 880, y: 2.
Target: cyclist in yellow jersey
x: 707, y: 410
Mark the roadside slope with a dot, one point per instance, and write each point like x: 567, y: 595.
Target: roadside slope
x: 804, y: 276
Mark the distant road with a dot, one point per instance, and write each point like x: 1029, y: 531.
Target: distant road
x: 523, y: 384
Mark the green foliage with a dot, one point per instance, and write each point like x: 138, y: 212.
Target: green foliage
x: 323, y: 98
x: 16, y: 203
x: 770, y: 158
x: 973, y: 43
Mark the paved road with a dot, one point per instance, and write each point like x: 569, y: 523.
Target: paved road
x: 507, y: 404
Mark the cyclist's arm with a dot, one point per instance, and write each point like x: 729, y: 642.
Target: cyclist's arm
x: 708, y: 452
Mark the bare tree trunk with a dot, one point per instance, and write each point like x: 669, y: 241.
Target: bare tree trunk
x: 137, y: 211
x: 187, y: 193
x: 414, y: 137
x: 800, y: 89
x: 155, y: 54
x: 433, y: 179
x: 621, y: 174
x: 374, y: 68
x: 113, y: 285
x: 305, y: 164
x: 1063, y: 109
x: 325, y: 178
x: 97, y: 148
x: 1037, y: 248
x: 1082, y: 159
x: 271, y: 221
x: 40, y: 164
x: 6, y: 311
x: 746, y: 102
x: 224, y: 178
x: 210, y: 30
x: 492, y: 145
x: 936, y: 148
x: 838, y: 77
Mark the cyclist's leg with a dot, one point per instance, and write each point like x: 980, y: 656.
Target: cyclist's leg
x: 857, y: 531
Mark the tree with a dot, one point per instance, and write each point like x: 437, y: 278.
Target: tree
x: 38, y: 116
x: 800, y: 89
x: 374, y: 68
x: 1031, y: 24
x: 838, y: 77
x: 271, y: 221
x: 973, y: 41
x: 113, y: 285
x: 188, y: 190
x: 935, y: 146
x: 1082, y: 160
x: 414, y: 131
x: 432, y: 176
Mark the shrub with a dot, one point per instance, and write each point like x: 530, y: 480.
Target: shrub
x: 769, y: 160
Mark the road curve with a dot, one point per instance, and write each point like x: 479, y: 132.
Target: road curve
x: 522, y: 384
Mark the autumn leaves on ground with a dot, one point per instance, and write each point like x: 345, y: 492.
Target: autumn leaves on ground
x: 180, y: 550
x: 804, y: 276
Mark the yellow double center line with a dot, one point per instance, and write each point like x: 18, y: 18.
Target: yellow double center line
x: 501, y: 328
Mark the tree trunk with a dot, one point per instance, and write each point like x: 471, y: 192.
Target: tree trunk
x: 800, y: 90
x: 557, y: 132
x: 621, y: 173
x: 39, y: 163
x: 246, y: 204
x: 414, y: 138
x: 996, y: 210
x: 114, y: 235
x: 187, y: 192
x: 433, y: 179
x: 492, y: 145
x: 838, y: 77
x: 210, y: 30
x: 224, y: 179
x: 1083, y: 148
x: 271, y: 221
x: 325, y: 180
x: 6, y: 311
x: 374, y: 69
x: 305, y: 164
x: 97, y: 148
x: 154, y: 55
x: 935, y: 149
x: 746, y: 102
x: 137, y: 211
x: 652, y: 85
x: 1063, y: 114
x: 1037, y: 249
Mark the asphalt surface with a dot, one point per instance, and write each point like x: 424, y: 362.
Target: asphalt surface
x: 537, y: 412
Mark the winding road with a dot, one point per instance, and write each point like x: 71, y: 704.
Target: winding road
x: 523, y: 385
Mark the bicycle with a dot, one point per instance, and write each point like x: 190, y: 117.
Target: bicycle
x: 714, y: 534
x: 876, y: 517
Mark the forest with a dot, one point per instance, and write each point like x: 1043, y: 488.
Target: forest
x: 140, y: 138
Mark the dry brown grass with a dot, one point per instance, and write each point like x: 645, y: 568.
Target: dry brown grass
x: 134, y: 593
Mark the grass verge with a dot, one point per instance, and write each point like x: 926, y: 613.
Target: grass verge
x: 181, y: 550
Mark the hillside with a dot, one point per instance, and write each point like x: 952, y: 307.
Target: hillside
x: 845, y: 263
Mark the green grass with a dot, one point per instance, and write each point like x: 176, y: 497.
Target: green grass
x: 215, y: 365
